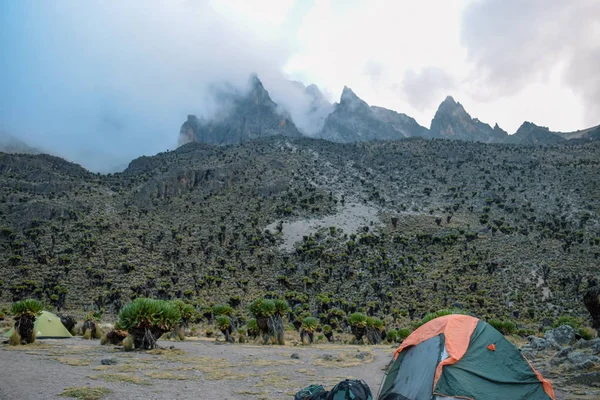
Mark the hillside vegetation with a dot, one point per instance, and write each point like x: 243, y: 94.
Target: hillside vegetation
x: 393, y: 229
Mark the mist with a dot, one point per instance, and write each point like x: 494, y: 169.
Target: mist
x: 516, y: 43
x: 101, y: 83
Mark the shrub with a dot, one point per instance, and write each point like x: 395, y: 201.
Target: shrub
x: 281, y: 307
x: 89, y: 329
x: 391, y: 336
x: 403, y: 333
x: 358, y: 325
x: 25, y: 312
x: 587, y: 333
x: 148, y: 319
x: 573, y: 322
x: 307, y: 331
x: 252, y: 328
x: 241, y: 335
x: 128, y: 343
x: 440, y: 313
x: 505, y: 327
x: 187, y: 312
x: 15, y: 339
x: 224, y: 325
x: 328, y: 332
x: 375, y: 328
x: 358, y: 319
x: 262, y: 308
x: 222, y: 309
x: 268, y: 315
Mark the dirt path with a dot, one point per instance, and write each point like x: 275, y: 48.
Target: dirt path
x: 194, y: 370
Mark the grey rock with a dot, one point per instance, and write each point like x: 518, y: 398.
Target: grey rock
x: 585, y: 344
x: 589, y: 379
x: 564, y: 352
x: 561, y: 336
x: 561, y: 356
x: 579, y: 358
x: 109, y: 361
x: 295, y: 356
x: 588, y: 364
x: 537, y: 343
x: 529, y: 353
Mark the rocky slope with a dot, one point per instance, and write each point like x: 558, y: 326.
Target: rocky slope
x: 395, y: 229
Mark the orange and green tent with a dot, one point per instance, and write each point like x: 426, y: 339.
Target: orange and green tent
x: 461, y: 357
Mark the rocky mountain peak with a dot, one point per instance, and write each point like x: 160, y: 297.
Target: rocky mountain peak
x: 246, y: 116
x: 349, y: 99
x: 450, y: 106
x: 451, y: 121
x: 258, y: 93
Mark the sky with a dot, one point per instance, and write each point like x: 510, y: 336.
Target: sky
x: 102, y: 82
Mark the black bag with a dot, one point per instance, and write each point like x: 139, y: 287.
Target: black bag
x: 350, y: 389
x: 312, y: 392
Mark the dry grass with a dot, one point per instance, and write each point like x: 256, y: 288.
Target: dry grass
x: 345, y: 359
x: 168, y: 376
x: 30, y: 347
x: 133, y: 367
x: 75, y: 362
x: 222, y: 375
x: 136, y: 380
x: 85, y: 393
x: 260, y: 362
x: 272, y: 379
x: 252, y: 393
x: 166, y: 352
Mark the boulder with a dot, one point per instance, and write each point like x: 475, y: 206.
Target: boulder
x: 564, y: 335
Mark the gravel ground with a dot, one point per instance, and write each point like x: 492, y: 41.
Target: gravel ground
x: 202, y: 369
x: 193, y: 370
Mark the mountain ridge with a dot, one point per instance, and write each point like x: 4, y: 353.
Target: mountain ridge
x: 354, y: 120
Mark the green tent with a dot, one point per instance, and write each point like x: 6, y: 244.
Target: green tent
x: 47, y: 326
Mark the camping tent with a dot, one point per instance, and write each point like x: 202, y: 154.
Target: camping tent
x: 47, y: 326
x: 461, y: 357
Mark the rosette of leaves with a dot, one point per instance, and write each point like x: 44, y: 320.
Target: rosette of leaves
x: 24, y: 313
x: 252, y: 328
x: 187, y: 313
x: 277, y: 328
x: 264, y: 311
x: 375, y: 330
x: 328, y: 332
x: 358, y: 325
x: 90, y: 327
x: 307, y: 331
x: 336, y: 318
x: 224, y: 324
x: 222, y: 309
x: 391, y: 336
x: 146, y: 320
